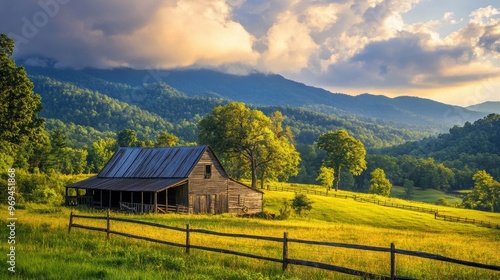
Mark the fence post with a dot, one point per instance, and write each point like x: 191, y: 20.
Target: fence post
x: 70, y: 221
x: 285, y: 250
x: 393, y: 261
x: 107, y: 224
x: 435, y: 215
x: 187, y: 239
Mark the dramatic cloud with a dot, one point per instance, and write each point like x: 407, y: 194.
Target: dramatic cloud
x: 344, y: 44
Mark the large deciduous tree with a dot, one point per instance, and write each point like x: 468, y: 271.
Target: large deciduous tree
x: 19, y: 105
x: 486, y: 193
x: 242, y: 135
x: 343, y: 151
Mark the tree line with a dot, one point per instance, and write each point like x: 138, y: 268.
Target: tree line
x: 251, y: 144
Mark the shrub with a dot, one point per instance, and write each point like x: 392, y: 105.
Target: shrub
x: 301, y: 203
x: 285, y: 211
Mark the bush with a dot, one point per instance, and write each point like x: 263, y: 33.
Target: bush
x: 301, y: 203
x: 285, y: 211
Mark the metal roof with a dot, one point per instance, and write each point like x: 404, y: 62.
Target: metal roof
x: 128, y: 184
x: 168, y: 162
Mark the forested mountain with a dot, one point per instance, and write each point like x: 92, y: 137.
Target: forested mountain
x: 486, y: 107
x: 109, y: 106
x: 90, y: 105
x: 272, y: 90
x: 71, y: 104
x: 465, y: 149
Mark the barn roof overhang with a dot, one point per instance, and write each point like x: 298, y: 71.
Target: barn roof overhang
x: 128, y: 184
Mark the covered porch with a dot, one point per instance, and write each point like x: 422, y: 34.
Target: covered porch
x: 131, y: 195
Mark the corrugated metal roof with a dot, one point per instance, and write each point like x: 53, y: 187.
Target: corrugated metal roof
x: 168, y: 162
x: 127, y: 184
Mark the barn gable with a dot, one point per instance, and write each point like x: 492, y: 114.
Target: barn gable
x: 191, y: 179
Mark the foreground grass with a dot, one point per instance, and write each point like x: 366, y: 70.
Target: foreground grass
x: 46, y: 251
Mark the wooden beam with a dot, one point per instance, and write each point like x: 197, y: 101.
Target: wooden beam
x: 142, y: 202
x: 100, y: 198
x: 109, y: 206
x: 155, y: 202
x: 120, y: 199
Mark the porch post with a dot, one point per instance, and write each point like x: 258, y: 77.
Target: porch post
x: 120, y: 199
x: 100, y: 198
x: 142, y: 202
x: 67, y: 200
x: 109, y: 206
x: 150, y: 201
x: 155, y: 210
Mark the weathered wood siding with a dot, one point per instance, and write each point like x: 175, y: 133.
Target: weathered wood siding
x: 208, y: 195
x: 243, y: 199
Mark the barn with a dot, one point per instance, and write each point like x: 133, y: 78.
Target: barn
x: 163, y: 180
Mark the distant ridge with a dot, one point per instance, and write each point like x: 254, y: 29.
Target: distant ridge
x: 274, y: 90
x: 486, y: 107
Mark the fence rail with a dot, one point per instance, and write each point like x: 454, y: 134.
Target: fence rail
x: 434, y: 211
x: 467, y: 220
x: 285, y: 241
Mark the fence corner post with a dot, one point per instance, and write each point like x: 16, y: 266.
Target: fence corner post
x: 393, y: 261
x: 107, y: 225
x: 285, y: 250
x: 70, y: 221
x: 187, y: 239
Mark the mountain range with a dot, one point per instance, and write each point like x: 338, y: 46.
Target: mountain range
x: 93, y: 103
x: 274, y: 90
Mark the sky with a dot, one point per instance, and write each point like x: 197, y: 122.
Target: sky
x: 445, y: 50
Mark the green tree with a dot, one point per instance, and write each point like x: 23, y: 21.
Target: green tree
x: 127, y: 138
x: 343, y: 151
x: 301, y: 203
x: 100, y: 151
x: 166, y: 139
x: 282, y: 157
x: 379, y: 184
x: 409, y: 189
x: 236, y: 132
x: 19, y: 105
x: 486, y: 193
x: 326, y: 177
x: 55, y: 157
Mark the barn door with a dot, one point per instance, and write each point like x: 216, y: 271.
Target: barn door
x: 209, y: 203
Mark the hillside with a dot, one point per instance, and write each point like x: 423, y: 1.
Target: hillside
x: 109, y: 106
x: 486, y: 107
x: 87, y: 255
x: 274, y: 90
x: 465, y: 148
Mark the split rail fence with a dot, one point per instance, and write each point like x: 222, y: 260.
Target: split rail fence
x: 392, y: 204
x: 284, y: 242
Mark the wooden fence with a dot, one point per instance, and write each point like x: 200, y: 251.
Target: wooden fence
x: 467, y: 220
x: 434, y: 211
x: 284, y: 243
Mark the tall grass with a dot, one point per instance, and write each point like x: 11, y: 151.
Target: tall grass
x: 46, y: 251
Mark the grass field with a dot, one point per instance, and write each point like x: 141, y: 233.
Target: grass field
x: 427, y: 195
x: 44, y: 249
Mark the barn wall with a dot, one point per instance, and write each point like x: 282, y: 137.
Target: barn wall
x: 243, y: 199
x: 206, y: 194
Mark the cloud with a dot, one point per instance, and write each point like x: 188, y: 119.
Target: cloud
x: 130, y: 33
x: 342, y: 43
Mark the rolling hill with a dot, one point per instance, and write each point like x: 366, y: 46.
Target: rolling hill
x: 486, y: 107
x: 273, y: 90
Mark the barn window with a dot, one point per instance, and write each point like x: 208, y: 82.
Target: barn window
x: 208, y: 171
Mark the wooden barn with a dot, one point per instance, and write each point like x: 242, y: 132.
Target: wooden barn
x: 162, y: 180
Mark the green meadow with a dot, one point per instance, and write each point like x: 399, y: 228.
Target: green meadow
x: 45, y: 250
